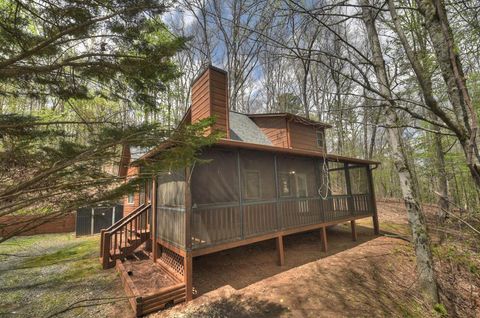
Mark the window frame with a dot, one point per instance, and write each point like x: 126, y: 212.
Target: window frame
x: 246, y: 195
x: 131, y: 196
x: 320, y: 132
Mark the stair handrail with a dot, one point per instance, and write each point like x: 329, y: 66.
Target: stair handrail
x: 139, y: 210
x: 107, y: 234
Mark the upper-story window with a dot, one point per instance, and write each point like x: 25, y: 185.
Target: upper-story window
x: 130, y: 198
x: 320, y: 139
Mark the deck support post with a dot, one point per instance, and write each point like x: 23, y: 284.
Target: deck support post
x: 188, y: 276
x: 280, y: 251
x: 153, y: 225
x: 324, y: 239
x: 354, y: 230
x: 373, y: 202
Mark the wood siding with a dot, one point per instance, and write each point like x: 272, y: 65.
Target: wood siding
x: 210, y: 99
x: 303, y: 137
x: 128, y: 207
x: 275, y: 128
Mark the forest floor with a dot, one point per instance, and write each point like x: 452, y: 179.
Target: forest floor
x: 60, y: 276
x: 372, y: 277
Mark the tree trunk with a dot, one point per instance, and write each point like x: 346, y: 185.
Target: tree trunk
x: 416, y: 218
x: 440, y: 33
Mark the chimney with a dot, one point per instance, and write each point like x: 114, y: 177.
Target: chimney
x: 210, y: 99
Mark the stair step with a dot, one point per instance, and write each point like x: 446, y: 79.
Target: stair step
x: 139, y: 232
x: 135, y: 241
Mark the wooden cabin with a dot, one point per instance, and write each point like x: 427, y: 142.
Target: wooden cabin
x: 271, y: 176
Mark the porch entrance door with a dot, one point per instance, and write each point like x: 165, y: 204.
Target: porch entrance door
x: 301, y: 191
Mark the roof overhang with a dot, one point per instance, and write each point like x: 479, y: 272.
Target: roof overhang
x: 245, y: 145
x: 330, y: 157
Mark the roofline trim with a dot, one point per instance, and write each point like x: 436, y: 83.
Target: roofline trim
x: 300, y: 118
x: 333, y: 157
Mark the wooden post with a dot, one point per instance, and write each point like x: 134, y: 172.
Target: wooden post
x: 106, y: 250
x: 373, y: 202
x: 351, y: 206
x: 188, y: 210
x: 188, y: 275
x: 354, y: 230
x: 324, y: 239
x: 101, y: 242
x: 280, y: 251
x: 153, y: 226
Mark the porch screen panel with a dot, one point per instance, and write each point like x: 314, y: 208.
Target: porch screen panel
x: 171, y: 207
x: 323, y: 185
x: 337, y: 205
x: 257, y: 175
x: 360, y: 189
x: 215, y: 181
x: 298, y: 191
x: 338, y: 183
x: 171, y: 189
x: 215, y: 198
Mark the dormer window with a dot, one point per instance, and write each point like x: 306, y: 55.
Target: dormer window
x: 320, y: 138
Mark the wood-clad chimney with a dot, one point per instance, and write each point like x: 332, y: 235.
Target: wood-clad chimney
x: 210, y: 99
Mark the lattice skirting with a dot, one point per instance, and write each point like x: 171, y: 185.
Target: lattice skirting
x: 173, y: 261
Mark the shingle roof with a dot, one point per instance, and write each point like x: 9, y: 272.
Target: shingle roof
x: 137, y: 152
x: 244, y: 129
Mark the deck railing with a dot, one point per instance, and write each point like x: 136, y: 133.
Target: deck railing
x: 123, y: 237
x: 171, y: 224
x: 215, y: 224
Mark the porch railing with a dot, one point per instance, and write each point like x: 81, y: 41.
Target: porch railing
x: 215, y: 224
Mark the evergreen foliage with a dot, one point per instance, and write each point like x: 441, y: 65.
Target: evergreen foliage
x: 74, y: 75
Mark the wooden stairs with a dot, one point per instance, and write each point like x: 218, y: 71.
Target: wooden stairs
x: 125, y: 236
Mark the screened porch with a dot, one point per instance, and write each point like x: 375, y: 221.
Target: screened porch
x: 238, y: 194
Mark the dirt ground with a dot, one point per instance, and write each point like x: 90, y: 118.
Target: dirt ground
x: 60, y: 276
x: 147, y: 276
x: 372, y: 277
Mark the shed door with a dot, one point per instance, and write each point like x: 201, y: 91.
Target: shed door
x: 102, y: 219
x: 83, y: 225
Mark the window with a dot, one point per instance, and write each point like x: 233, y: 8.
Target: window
x: 320, y: 138
x: 142, y: 194
x: 284, y: 184
x: 257, y: 175
x: 296, y: 177
x: 253, y: 185
x: 130, y: 198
